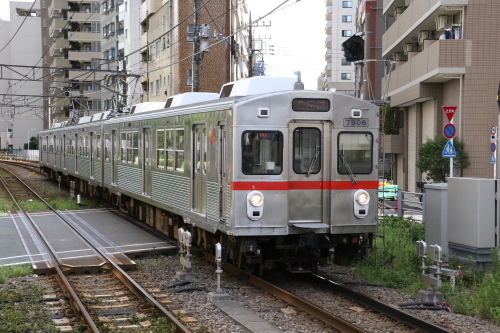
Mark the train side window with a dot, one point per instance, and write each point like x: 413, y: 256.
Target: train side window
x: 160, y: 149
x: 355, y: 153
x: 107, y: 146
x: 98, y: 146
x: 306, y: 150
x: 179, y: 150
x: 262, y: 152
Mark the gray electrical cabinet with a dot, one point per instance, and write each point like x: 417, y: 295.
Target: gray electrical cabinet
x: 472, y: 227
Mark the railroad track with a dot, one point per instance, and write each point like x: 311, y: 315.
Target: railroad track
x: 371, y: 311
x: 111, y: 301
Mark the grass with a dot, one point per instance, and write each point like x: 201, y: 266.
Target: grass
x: 394, y: 263
x: 14, y: 271
x: 21, y: 311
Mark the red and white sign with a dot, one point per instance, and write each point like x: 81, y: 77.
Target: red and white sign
x: 493, y: 130
x: 449, y: 111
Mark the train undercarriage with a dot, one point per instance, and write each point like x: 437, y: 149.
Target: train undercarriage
x: 302, y: 253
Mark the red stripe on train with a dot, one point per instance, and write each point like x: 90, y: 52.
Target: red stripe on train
x: 304, y: 185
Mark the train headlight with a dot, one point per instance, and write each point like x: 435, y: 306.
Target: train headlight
x: 256, y: 199
x: 362, y: 197
x: 255, y: 205
x: 361, y: 200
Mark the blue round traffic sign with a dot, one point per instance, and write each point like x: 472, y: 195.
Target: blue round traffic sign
x: 449, y: 131
x: 493, y: 147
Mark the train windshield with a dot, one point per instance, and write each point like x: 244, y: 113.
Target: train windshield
x: 355, y: 153
x: 262, y: 153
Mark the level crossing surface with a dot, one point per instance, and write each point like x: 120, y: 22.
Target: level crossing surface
x: 113, y: 235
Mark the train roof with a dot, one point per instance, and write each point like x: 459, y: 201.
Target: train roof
x: 190, y: 98
x: 257, y: 85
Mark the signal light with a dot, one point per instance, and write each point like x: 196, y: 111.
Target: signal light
x: 354, y: 48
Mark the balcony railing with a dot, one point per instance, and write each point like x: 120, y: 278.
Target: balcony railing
x: 148, y: 8
x: 76, y: 36
x: 83, y: 55
x: 56, y: 7
x: 84, y: 17
x: 446, y: 56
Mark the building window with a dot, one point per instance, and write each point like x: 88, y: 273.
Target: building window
x: 158, y: 49
x: 345, y: 62
x: 346, y: 4
x: 151, y: 89
x: 347, y: 18
x: 346, y: 33
x: 190, y: 77
x: 345, y: 76
x: 157, y: 87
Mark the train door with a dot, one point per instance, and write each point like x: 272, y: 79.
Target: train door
x: 306, y: 195
x: 64, y: 152
x: 78, y: 146
x: 199, y: 141
x: 222, y: 170
x: 114, y: 152
x: 146, y: 164
x: 91, y: 155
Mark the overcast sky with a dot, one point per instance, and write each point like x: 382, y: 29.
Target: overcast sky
x: 297, y: 33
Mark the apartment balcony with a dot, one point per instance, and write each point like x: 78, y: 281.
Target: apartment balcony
x: 60, y: 62
x: 144, y: 39
x: 56, y: 27
x: 57, y: 102
x: 328, y: 68
x: 121, y: 14
x: 148, y: 8
x: 58, y: 87
x: 77, y: 36
x: 328, y: 2
x: 439, y: 60
x: 328, y: 55
x: 84, y: 17
x: 328, y: 41
x: 393, y: 144
x: 85, y: 75
x: 420, y: 15
x: 83, y: 56
x: 328, y: 28
x: 56, y: 49
x: 328, y: 14
x: 56, y: 8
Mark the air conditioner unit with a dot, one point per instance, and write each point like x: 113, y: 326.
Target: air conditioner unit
x: 398, y: 10
x: 423, y: 34
x: 398, y: 56
x: 410, y: 47
x: 443, y: 22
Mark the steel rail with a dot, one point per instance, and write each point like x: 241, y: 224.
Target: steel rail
x: 140, y: 292
x: 61, y: 279
x: 390, y: 311
x: 315, y: 311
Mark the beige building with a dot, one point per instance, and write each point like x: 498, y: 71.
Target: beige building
x: 71, y: 46
x: 446, y: 53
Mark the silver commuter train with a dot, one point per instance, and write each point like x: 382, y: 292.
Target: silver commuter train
x: 278, y: 176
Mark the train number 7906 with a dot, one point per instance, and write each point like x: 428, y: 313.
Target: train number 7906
x: 361, y: 122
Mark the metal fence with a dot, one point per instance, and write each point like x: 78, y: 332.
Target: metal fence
x: 31, y: 155
x: 407, y: 204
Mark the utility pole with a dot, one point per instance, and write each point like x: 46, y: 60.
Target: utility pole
x: 366, y: 76
x: 196, y: 48
x: 250, y: 45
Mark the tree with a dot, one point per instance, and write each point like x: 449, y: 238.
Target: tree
x: 430, y: 158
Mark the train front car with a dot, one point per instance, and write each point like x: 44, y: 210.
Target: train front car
x: 305, y: 179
